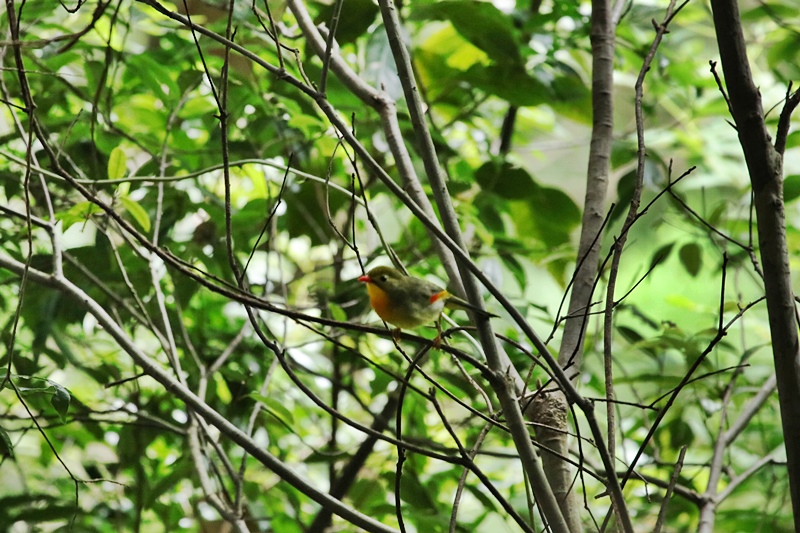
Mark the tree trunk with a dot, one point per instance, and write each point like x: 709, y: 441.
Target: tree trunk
x: 551, y: 410
x: 765, y: 166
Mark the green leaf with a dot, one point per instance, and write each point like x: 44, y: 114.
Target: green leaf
x: 489, y: 212
x: 60, y: 400
x: 276, y: 409
x: 540, y: 212
x: 285, y: 523
x: 6, y: 446
x: 555, y: 209
x: 155, y: 75
x: 481, y: 23
x: 680, y: 434
x: 505, y: 180
x: 176, y: 475
x: 783, y: 54
x: 570, y: 88
x: 198, y: 108
x: 366, y: 492
x: 660, y: 255
x: 623, y: 152
x: 136, y: 211
x: 480, y: 495
x: 117, y: 164
x: 791, y: 187
x: 793, y: 140
x: 571, y: 98
x: 46, y: 513
x: 356, y: 18
x: 625, y: 188
x: 336, y: 312
x: 416, y: 494
x: 80, y: 212
x: 548, y: 215
x: 770, y: 10
x: 511, y: 83
x: 663, y: 381
x: 40, y: 388
x: 630, y: 334
x: 516, y: 268
x: 27, y: 385
x: 446, y: 49
x: 691, y: 258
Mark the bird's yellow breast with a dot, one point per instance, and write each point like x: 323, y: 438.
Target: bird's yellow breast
x: 381, y: 303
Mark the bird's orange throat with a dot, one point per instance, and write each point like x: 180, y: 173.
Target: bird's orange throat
x: 379, y: 300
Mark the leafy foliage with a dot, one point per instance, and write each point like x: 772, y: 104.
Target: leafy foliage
x: 188, y: 183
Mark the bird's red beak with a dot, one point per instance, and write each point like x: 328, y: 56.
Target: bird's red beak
x: 364, y: 278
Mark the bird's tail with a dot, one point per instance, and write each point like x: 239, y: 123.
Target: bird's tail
x: 454, y: 302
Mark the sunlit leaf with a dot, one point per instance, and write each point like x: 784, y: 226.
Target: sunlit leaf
x: 481, y: 23
x: 78, y: 213
x: 117, y: 164
x: 137, y: 212
x: 157, y: 76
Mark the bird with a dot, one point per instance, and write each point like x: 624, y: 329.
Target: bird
x: 407, y: 302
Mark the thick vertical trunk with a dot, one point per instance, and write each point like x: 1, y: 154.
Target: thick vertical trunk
x: 765, y: 166
x: 551, y: 410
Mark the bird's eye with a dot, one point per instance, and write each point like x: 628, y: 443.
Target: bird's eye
x: 383, y: 278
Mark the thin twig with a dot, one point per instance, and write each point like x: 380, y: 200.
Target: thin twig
x: 330, y: 42
x: 673, y: 480
x: 792, y: 101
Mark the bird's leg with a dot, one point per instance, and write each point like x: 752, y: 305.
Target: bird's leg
x: 396, y: 335
x: 437, y: 342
